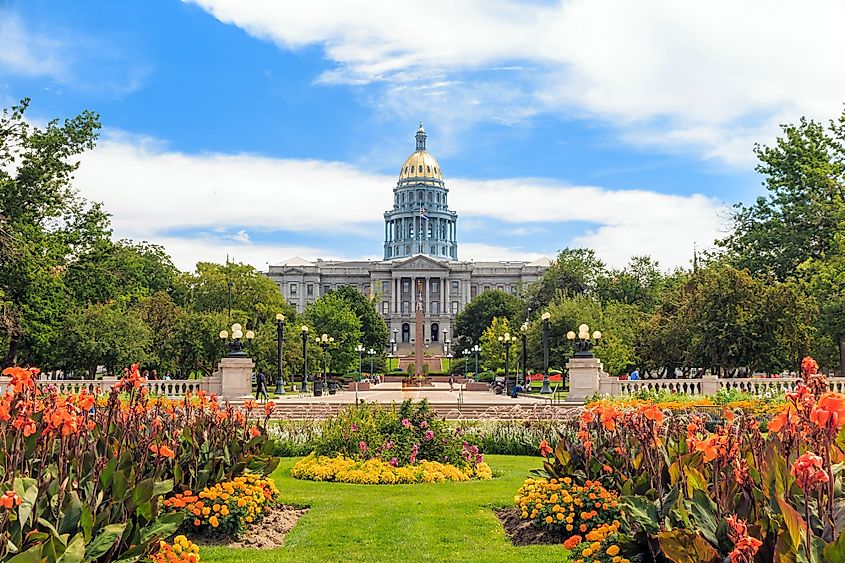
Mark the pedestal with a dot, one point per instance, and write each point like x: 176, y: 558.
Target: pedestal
x: 236, y: 377
x: 583, y: 377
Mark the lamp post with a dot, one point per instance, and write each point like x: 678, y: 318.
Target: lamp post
x: 323, y: 341
x: 304, y: 330
x: 582, y: 343
x: 524, y: 335
x: 476, y: 350
x: 280, y: 336
x: 360, y: 349
x: 466, y: 354
x: 372, y: 354
x: 507, y: 341
x: 546, y: 389
x: 229, y: 285
x: 236, y: 344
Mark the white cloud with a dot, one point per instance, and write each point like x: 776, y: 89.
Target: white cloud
x: 27, y: 53
x: 153, y: 192
x: 704, y: 75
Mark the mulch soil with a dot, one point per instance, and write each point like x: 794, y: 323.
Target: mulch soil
x: 267, y: 533
x: 523, y: 532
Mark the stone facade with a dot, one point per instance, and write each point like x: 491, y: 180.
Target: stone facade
x: 420, y: 251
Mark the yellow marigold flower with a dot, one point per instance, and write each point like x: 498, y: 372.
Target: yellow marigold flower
x: 613, y: 550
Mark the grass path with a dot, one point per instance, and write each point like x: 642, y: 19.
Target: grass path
x: 407, y: 523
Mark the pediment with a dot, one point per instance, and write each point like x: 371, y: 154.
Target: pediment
x: 294, y: 271
x: 421, y: 262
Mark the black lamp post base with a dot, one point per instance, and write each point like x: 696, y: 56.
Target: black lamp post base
x: 280, y: 388
x: 546, y: 389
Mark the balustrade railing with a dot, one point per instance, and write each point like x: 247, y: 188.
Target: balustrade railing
x: 173, y: 388
x: 708, y: 385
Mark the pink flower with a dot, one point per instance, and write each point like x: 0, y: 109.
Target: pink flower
x: 354, y: 428
x: 362, y: 445
x: 394, y: 461
x: 414, y: 451
x: 406, y: 423
x: 424, y: 424
x: 388, y: 445
x: 429, y: 435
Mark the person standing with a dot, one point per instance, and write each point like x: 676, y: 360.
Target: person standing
x: 261, y: 386
x: 451, y: 383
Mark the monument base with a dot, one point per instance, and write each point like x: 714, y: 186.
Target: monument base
x: 583, y: 377
x: 235, y: 377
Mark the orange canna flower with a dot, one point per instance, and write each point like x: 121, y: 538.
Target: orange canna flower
x: 829, y: 411
x: 254, y: 431
x: 162, y: 451
x: 250, y: 405
x: 653, y: 413
x: 10, y: 499
x: 545, y: 449
x: 709, y: 447
x: 269, y: 406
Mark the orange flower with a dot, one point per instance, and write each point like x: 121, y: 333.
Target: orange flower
x: 269, y: 406
x: 572, y: 542
x: 608, y: 418
x: 809, y: 366
x: 545, y: 449
x: 829, y: 411
x: 709, y: 447
x: 653, y: 413
x: 254, y: 431
x: 162, y: 451
x: 20, y: 378
x: 808, y: 471
x: 249, y: 405
x: 10, y: 499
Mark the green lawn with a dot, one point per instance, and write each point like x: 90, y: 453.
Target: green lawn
x: 426, y: 522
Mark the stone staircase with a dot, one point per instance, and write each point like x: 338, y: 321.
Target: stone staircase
x: 453, y: 411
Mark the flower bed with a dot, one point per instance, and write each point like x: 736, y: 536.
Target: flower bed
x: 377, y: 472
x: 376, y: 445
x: 691, y: 495
x: 724, y: 399
x: 226, y: 507
x: 81, y: 476
x: 182, y: 550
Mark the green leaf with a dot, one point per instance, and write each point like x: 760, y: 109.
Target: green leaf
x: 29, y: 495
x: 702, y: 511
x: 31, y: 555
x: 142, y: 492
x: 794, y: 523
x: 835, y: 552
x: 162, y: 487
x: 119, y: 485
x: 86, y: 521
x: 75, y: 552
x: 684, y: 546
x: 104, y: 541
x: 643, y: 512
x: 669, y: 500
x: 163, y: 527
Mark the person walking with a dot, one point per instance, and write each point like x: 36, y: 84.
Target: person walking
x: 261, y: 386
x: 451, y: 383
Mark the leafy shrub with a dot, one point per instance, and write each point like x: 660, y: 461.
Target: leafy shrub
x: 294, y: 438
x: 84, y: 474
x: 225, y: 507
x: 400, y: 436
x: 511, y: 437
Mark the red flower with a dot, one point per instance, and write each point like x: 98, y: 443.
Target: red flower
x: 745, y: 546
x: 20, y: 378
x: 808, y: 471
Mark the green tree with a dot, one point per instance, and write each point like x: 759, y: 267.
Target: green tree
x: 640, y: 283
x: 804, y: 174
x: 575, y: 271
x: 494, y: 351
x: 479, y: 314
x: 103, y: 335
x: 160, y: 314
x: 331, y: 314
x: 375, y: 333
x: 44, y: 223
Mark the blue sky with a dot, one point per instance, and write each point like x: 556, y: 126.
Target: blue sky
x: 266, y: 129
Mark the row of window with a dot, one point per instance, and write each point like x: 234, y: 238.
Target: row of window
x: 432, y: 197
x: 293, y: 287
x: 400, y: 250
x: 434, y: 307
x: 418, y: 168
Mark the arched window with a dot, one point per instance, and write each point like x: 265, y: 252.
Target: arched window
x: 411, y: 196
x: 428, y: 169
x: 430, y: 197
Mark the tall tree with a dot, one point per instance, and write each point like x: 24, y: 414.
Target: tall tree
x: 44, y: 223
x: 374, y: 331
x: 332, y: 315
x: 479, y: 314
x: 804, y: 175
x: 575, y: 271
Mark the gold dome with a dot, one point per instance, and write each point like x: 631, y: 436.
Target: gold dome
x: 420, y: 165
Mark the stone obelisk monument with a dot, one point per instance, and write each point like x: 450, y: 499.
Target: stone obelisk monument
x: 418, y: 344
